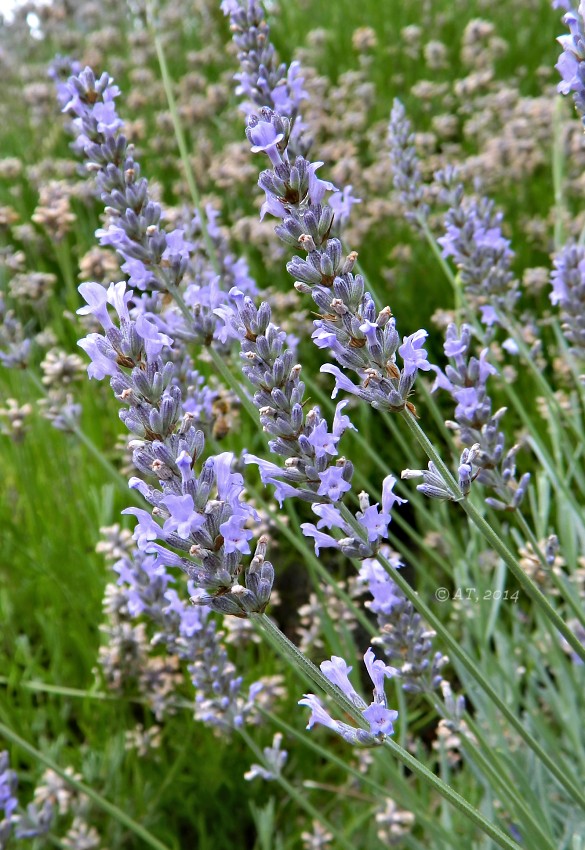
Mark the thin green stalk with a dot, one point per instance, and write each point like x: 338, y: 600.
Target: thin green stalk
x: 299, y: 662
x: 501, y: 782
x: 82, y: 788
x: 456, y: 650
x: 300, y: 800
x: 63, y: 256
x: 569, y: 359
x: 401, y: 790
x: 512, y: 328
x: 61, y: 690
x: 453, y: 279
x: 180, y: 137
x: 494, y: 541
x: 105, y: 463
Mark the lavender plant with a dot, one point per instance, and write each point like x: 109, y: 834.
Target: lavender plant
x: 183, y: 295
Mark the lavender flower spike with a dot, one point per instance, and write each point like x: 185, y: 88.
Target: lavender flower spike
x: 360, y: 337
x: 378, y: 716
x: 263, y: 81
x: 404, y: 159
x: 465, y: 378
x: 203, y: 515
x: 482, y: 254
x: 404, y: 637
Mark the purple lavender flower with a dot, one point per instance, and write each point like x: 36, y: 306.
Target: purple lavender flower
x: 465, y: 378
x: 373, y: 523
x: 8, y: 785
x: 406, y: 171
x: 190, y: 633
x: 404, y: 637
x: 263, y: 82
x: 275, y: 759
x: 154, y: 259
x: 302, y: 439
x: 360, y: 338
x: 571, y: 64
x: 379, y: 717
x: 211, y: 530
x: 474, y: 240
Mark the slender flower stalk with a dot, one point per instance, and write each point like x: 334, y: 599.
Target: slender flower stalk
x: 110, y: 808
x: 154, y: 260
x: 342, y: 698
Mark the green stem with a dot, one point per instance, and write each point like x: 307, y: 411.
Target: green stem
x: 91, y: 447
x: 467, y: 662
x: 563, y: 415
x: 299, y: 662
x: 82, y: 788
x: 299, y: 799
x: 499, y: 780
x: 180, y: 137
x: 446, y: 268
x: 494, y: 541
x: 401, y: 791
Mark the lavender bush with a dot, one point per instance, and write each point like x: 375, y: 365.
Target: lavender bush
x: 221, y: 232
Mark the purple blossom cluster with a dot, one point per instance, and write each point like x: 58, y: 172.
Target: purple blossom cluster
x: 312, y: 471
x: 203, y: 516
x: 274, y: 760
x: 154, y: 259
x: 474, y: 240
x: 360, y: 337
x: 404, y: 637
x: 30, y: 824
x: 478, y: 428
x: 373, y: 524
x: 571, y: 64
x: 189, y: 633
x: 302, y: 439
x: 262, y: 80
x: 406, y: 173
x: 377, y: 715
x: 568, y: 293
